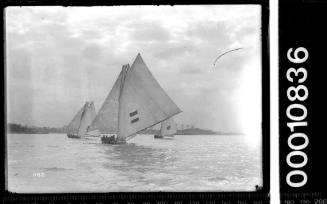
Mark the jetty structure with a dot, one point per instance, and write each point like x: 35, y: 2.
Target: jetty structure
x: 135, y: 102
x: 77, y: 128
x: 167, y: 129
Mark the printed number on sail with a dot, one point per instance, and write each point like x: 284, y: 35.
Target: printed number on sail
x: 133, y: 115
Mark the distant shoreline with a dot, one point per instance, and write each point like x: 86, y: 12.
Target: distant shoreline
x: 23, y: 129
x: 191, y: 131
x: 44, y: 133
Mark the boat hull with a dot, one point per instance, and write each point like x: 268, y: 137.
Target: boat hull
x: 75, y: 136
x: 112, y: 140
x: 158, y: 136
x: 162, y: 136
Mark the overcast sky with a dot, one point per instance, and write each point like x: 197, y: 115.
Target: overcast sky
x: 57, y: 58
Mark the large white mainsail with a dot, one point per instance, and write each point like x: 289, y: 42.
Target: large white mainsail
x: 142, y: 103
x: 75, y: 123
x: 168, y: 127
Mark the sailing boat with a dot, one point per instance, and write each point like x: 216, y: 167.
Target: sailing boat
x: 168, y: 129
x: 77, y: 128
x: 135, y: 102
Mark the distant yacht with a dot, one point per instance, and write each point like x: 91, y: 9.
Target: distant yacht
x: 77, y: 128
x: 135, y: 102
x: 168, y: 129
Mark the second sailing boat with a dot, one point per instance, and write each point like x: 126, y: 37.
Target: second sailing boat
x: 167, y: 129
x: 77, y: 128
x: 135, y: 103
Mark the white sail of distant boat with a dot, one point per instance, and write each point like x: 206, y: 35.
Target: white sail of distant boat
x: 168, y: 128
x: 77, y: 128
x: 75, y: 123
x: 135, y: 103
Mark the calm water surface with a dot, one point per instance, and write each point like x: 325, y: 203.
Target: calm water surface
x: 55, y: 163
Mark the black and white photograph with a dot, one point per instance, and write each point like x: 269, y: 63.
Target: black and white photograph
x: 133, y: 98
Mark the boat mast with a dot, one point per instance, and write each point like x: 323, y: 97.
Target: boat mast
x: 124, y: 72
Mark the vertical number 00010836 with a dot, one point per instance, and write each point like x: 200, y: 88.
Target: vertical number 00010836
x: 297, y: 94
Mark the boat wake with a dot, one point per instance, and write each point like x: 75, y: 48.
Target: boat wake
x: 56, y: 169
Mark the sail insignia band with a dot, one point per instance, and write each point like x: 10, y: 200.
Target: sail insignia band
x: 133, y: 113
x: 135, y: 120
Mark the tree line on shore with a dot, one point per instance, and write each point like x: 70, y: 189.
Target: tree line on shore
x: 18, y: 128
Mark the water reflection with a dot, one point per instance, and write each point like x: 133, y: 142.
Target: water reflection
x: 138, y: 158
x: 186, y: 163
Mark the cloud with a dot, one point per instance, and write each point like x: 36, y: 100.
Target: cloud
x: 176, y: 49
x: 210, y: 31
x: 147, y: 31
x: 189, y: 68
x: 91, y: 52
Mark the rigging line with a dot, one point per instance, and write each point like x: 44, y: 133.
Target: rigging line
x: 225, y: 54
